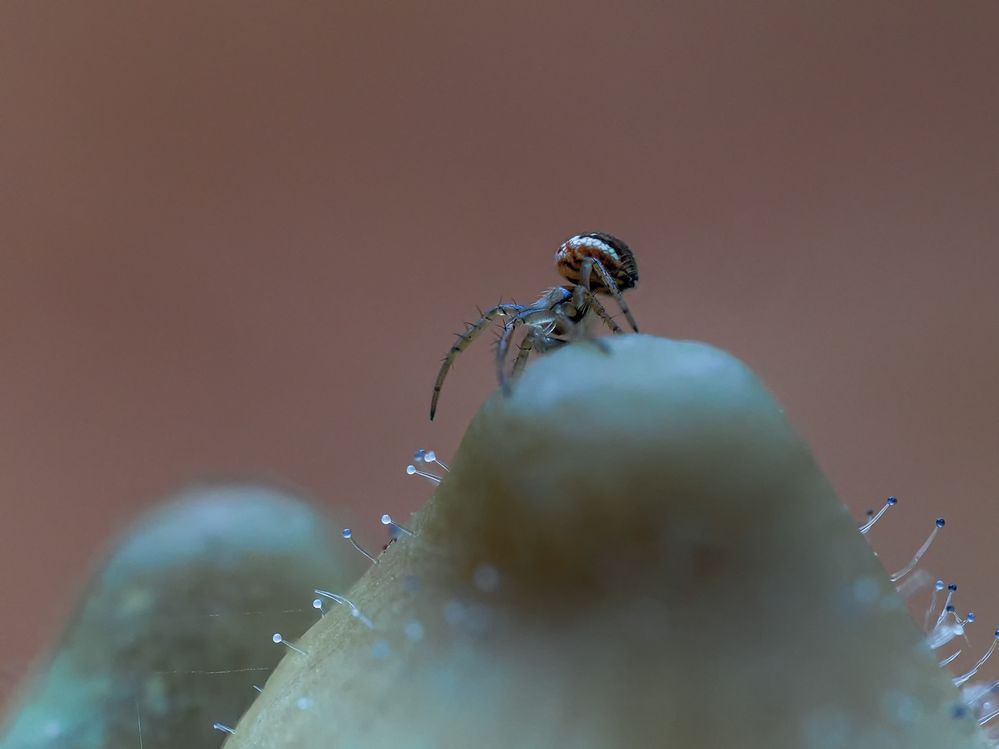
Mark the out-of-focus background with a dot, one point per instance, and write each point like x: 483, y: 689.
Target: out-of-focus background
x: 235, y: 239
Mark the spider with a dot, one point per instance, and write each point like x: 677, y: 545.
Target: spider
x: 594, y: 263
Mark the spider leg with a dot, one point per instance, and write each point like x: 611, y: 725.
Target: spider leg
x: 582, y: 300
x: 547, y: 343
x: 576, y: 331
x: 464, y: 340
x: 602, y: 312
x: 526, y: 346
x: 536, y: 340
x: 592, y: 264
x: 502, y: 346
x: 535, y: 317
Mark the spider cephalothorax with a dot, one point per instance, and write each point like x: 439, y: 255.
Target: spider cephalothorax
x: 593, y: 263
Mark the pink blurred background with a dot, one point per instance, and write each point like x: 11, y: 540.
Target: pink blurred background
x: 235, y: 239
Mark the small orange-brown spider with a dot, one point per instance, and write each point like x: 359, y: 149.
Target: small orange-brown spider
x: 593, y: 263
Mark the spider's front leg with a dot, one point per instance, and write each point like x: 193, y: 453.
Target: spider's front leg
x: 538, y: 339
x: 591, y: 265
x: 464, y: 340
x: 539, y: 319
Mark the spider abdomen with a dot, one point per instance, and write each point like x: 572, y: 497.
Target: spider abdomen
x: 613, y: 254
